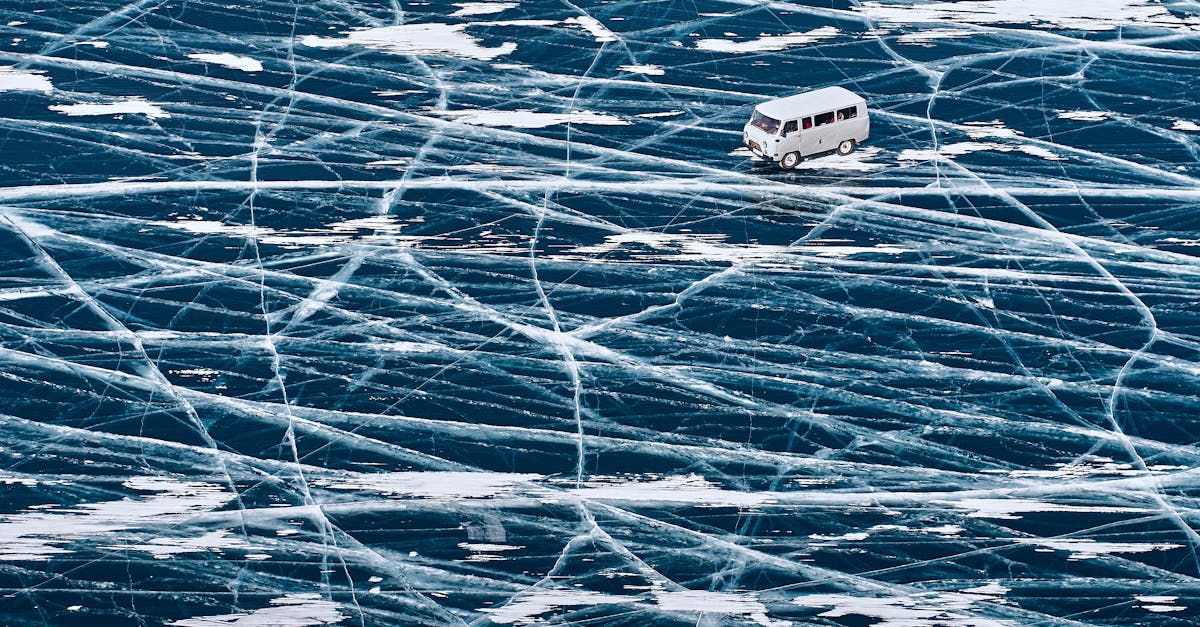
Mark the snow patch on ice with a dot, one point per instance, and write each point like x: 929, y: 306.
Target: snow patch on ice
x: 293, y: 610
x: 923, y: 610
x: 1185, y: 125
x: 131, y: 105
x: 481, y: 8
x: 526, y: 607
x: 12, y: 79
x: 768, y: 43
x: 661, y: 114
x: 1008, y: 509
x: 689, y: 489
x: 167, y: 547
x: 648, y: 69
x: 957, y: 149
x: 415, y: 39
x: 433, y: 485
x: 1160, y: 604
x: 926, y: 37
x: 990, y: 589
x: 744, y: 604
x: 530, y: 119
x: 1086, y: 548
x: 1094, y: 15
x: 990, y: 128
x: 232, y: 61
x: 594, y: 27
x: 1084, y: 116
x: 39, y: 535
x: 858, y: 161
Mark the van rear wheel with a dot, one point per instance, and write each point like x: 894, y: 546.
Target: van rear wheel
x: 790, y: 160
x: 846, y: 147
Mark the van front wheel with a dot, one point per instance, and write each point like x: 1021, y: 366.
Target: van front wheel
x: 790, y: 160
x: 846, y: 147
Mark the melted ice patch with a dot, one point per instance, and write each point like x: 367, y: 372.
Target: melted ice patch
x: 415, y: 39
x: 434, y: 485
x: 767, y: 43
x: 531, y: 119
x: 481, y: 8
x: 130, y: 105
x: 12, y: 79
x: 293, y: 610
x: 38, y: 535
x: 232, y: 61
x: 1095, y: 15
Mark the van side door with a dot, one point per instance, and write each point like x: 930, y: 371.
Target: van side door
x: 808, y: 137
x: 824, y: 130
x: 789, y: 137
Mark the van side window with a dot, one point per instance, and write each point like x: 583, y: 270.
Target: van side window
x: 789, y: 127
x: 824, y: 118
x: 847, y: 113
x: 808, y: 122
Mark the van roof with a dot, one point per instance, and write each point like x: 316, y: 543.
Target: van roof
x: 809, y: 102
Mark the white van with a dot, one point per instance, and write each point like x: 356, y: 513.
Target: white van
x: 790, y: 129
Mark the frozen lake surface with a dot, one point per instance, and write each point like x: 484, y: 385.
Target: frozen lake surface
x: 470, y: 313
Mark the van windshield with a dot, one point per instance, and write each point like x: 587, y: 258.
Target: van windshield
x: 768, y: 124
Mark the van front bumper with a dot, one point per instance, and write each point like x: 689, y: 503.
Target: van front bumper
x: 756, y: 149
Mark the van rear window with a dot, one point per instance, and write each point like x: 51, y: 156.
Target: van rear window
x: 847, y: 113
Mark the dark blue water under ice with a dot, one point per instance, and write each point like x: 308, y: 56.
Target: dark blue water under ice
x: 429, y: 313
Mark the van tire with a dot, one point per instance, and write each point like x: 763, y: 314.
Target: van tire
x: 790, y: 160
x: 846, y: 147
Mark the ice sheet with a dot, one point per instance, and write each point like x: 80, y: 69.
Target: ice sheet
x: 470, y: 313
